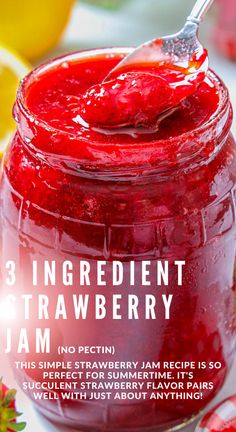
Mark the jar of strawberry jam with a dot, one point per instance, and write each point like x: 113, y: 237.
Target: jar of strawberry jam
x: 81, y: 197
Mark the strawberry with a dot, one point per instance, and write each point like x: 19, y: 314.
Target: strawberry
x: 8, y: 413
x: 132, y: 99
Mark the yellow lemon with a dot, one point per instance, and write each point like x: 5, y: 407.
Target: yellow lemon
x: 33, y: 27
x: 12, y: 69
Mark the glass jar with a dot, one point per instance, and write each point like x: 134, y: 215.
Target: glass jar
x: 225, y: 29
x: 166, y: 200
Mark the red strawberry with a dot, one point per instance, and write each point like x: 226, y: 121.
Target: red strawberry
x: 230, y: 429
x: 8, y: 413
x: 132, y: 99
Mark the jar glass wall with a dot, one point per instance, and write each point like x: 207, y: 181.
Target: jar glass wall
x: 171, y: 199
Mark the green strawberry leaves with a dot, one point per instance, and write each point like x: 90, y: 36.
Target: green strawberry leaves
x: 8, y: 413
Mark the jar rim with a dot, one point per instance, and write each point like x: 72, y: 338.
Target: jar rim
x: 223, y: 107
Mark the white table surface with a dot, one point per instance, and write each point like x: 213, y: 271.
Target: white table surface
x: 93, y: 27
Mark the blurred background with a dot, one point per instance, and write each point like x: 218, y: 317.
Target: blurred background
x: 33, y: 31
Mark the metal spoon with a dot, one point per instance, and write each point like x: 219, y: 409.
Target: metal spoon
x: 174, y: 51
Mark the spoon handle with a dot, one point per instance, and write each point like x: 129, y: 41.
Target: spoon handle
x: 200, y: 9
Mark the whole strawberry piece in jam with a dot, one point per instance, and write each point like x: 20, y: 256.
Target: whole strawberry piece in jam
x: 8, y: 413
x: 132, y: 99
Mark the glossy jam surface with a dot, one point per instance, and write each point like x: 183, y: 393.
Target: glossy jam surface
x: 137, y: 93
x: 56, y: 99
x: 55, y: 207
x: 224, y: 34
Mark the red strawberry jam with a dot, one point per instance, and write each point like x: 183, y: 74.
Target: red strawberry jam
x: 8, y: 413
x: 142, y: 92
x: 72, y: 191
x: 225, y: 29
